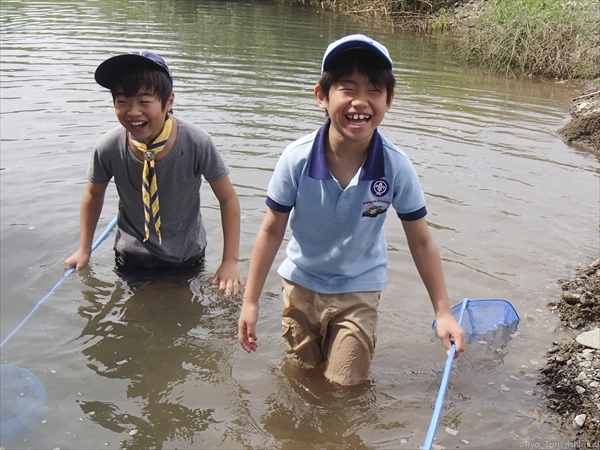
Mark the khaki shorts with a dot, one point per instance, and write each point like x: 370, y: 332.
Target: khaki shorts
x: 338, y: 329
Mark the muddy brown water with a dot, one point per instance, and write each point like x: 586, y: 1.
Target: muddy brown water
x: 157, y: 365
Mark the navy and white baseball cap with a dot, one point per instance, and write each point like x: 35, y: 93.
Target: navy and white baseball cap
x: 351, y: 42
x: 106, y: 71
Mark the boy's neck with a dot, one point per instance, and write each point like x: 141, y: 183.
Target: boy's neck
x: 145, y: 141
x: 159, y: 156
x: 344, y: 156
x: 344, y: 148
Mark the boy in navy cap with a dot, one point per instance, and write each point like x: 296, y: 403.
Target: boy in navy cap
x: 336, y: 186
x: 157, y: 162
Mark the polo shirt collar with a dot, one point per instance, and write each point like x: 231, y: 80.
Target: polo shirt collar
x: 372, y: 169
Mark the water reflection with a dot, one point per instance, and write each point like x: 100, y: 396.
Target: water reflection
x: 308, y: 408
x: 161, y: 336
x: 162, y: 358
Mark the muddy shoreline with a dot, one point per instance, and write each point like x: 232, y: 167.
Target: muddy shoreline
x: 570, y: 379
x: 583, y: 129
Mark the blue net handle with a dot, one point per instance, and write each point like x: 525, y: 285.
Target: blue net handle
x: 23, y: 397
x: 476, y: 317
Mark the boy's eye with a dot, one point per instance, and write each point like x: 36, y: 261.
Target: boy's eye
x: 146, y: 99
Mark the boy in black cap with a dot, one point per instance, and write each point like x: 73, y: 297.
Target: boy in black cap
x: 336, y: 186
x: 157, y: 162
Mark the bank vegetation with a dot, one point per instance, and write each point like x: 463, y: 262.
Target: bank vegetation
x: 557, y: 39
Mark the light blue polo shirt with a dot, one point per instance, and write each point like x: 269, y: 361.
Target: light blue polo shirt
x: 337, y: 240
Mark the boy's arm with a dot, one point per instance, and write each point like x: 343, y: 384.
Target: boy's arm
x: 265, y: 249
x: 427, y: 259
x: 91, y: 207
x: 228, y: 274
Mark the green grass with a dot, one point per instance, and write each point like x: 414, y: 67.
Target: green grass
x: 548, y: 38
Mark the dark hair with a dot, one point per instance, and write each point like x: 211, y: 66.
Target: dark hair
x: 367, y: 63
x: 130, y: 80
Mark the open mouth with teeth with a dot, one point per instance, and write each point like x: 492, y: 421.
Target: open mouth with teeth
x: 358, y: 118
x: 138, y: 125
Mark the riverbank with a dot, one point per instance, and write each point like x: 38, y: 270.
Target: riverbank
x: 583, y: 129
x: 570, y: 378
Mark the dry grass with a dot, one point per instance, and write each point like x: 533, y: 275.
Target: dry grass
x: 546, y: 38
x: 403, y: 14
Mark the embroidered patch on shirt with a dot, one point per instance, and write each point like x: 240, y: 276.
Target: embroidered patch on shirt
x: 379, y: 187
x: 373, y: 211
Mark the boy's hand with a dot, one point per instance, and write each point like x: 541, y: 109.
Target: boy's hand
x: 78, y: 260
x: 449, y: 331
x: 229, y: 278
x: 247, y: 326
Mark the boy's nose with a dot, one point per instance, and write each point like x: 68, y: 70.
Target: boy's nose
x: 134, y: 110
x: 359, y: 100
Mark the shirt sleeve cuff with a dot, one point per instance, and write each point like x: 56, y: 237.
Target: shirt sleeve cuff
x: 415, y: 215
x: 276, y: 206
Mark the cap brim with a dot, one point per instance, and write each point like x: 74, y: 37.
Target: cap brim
x: 105, y: 72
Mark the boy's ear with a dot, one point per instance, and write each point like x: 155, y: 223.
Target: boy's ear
x: 170, y: 100
x: 321, y: 99
x: 391, y: 99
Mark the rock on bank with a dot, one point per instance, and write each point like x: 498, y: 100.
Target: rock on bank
x: 571, y: 375
x: 584, y: 127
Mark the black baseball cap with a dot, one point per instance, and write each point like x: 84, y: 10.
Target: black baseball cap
x: 106, y: 71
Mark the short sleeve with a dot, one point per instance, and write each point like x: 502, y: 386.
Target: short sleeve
x: 283, y: 187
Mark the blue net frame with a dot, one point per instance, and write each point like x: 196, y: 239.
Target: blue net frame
x: 22, y: 401
x: 485, y: 315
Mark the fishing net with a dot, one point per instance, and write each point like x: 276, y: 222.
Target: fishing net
x: 487, y: 320
x: 23, y: 397
x: 22, y: 401
x: 485, y: 316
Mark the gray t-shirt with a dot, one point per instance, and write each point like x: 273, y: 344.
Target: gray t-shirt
x: 179, y: 176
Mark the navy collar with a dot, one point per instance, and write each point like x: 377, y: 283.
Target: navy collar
x: 372, y: 169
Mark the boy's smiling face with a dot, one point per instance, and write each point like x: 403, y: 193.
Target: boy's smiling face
x: 142, y: 115
x: 355, y: 105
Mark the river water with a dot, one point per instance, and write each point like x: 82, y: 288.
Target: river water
x: 512, y: 207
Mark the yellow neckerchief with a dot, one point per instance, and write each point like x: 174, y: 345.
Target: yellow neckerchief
x: 149, y: 185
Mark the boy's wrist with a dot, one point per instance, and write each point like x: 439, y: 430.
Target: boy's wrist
x: 250, y: 302
x: 442, y: 308
x: 250, y: 298
x: 230, y: 260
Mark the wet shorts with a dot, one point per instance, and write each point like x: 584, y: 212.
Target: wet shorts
x: 338, y: 329
x: 137, y: 273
